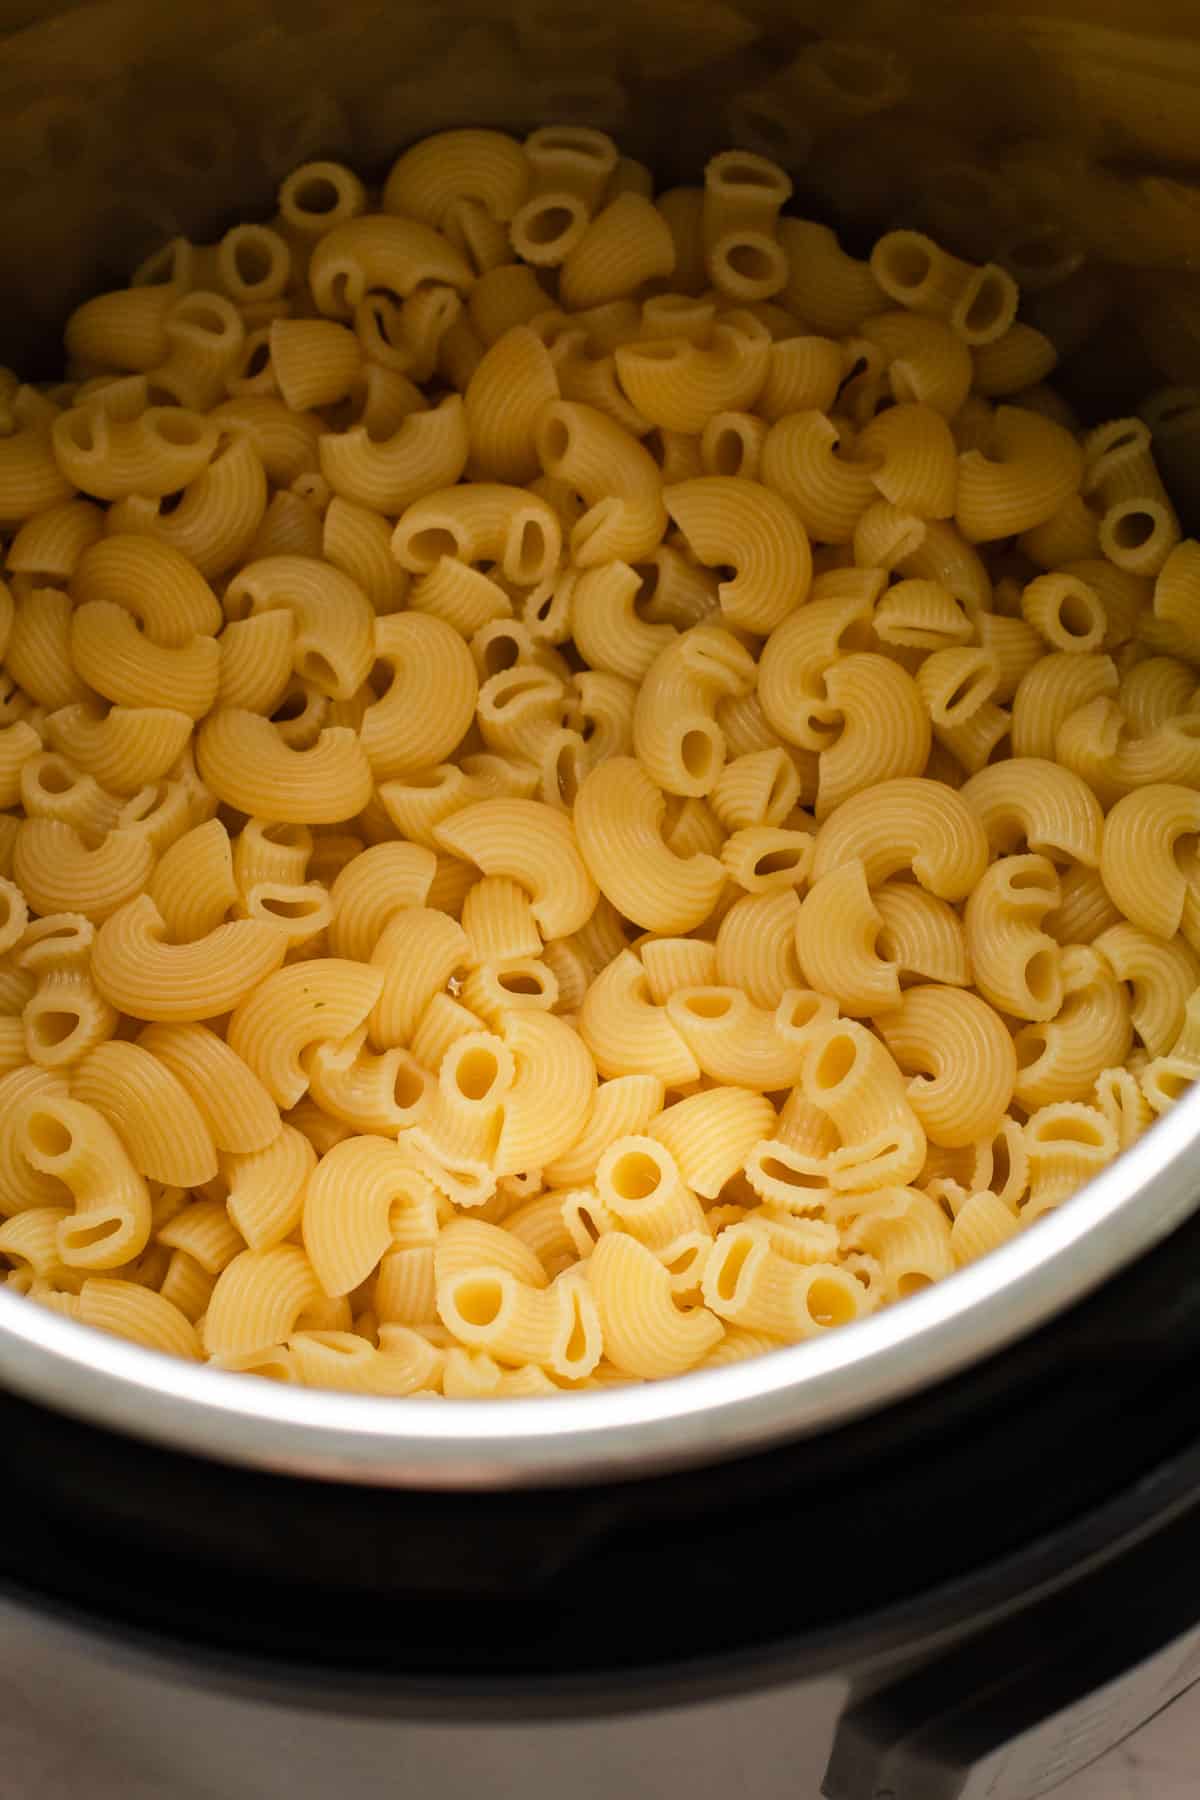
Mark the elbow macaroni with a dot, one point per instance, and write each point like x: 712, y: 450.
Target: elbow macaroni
x: 589, y: 785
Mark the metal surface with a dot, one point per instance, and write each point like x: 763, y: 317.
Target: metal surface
x: 624, y: 1431
x: 125, y: 121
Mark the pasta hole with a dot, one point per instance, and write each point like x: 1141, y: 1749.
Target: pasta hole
x: 203, y: 316
x: 529, y: 551
x: 566, y: 773
x: 317, y: 195
x: 556, y: 438
x: 777, y: 862
x: 577, y: 1342
x: 728, y: 452
x: 51, y: 1029
x: 750, y: 261
x: 746, y: 175
x: 686, y: 1263
x: 82, y: 435
x: 1030, y: 1047
x: 1041, y: 976
x: 82, y: 1235
x: 434, y: 542
x: 908, y: 264
x: 408, y: 1087
x: 545, y: 225
x: 479, y: 1300
x: 293, y: 706
x: 47, y: 1134
x: 500, y: 654
x: 661, y: 350
x: 911, y: 1282
x: 252, y: 262
x: 1075, y: 615
x: 835, y: 1062
x: 516, y: 981
x: 279, y: 906
x: 476, y: 1073
x: 1083, y: 1133
x: 989, y: 303
x: 1001, y: 1164
x: 316, y: 667
x: 829, y: 1303
x: 709, y: 1006
x: 787, y: 1176
x: 697, y: 752
x: 287, y: 837
x: 732, y: 1263
x: 178, y: 429
x: 167, y: 505
x: 55, y: 778
x: 257, y: 360
x: 802, y: 1010
x: 635, y: 1175
x: 1134, y: 529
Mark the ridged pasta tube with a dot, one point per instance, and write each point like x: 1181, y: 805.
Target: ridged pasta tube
x: 618, y: 821
x: 729, y: 521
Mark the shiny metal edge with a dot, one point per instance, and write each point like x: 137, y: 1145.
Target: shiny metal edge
x: 620, y: 1433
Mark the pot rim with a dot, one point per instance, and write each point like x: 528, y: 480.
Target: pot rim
x: 619, y: 1433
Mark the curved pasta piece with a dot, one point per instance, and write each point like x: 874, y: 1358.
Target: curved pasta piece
x: 678, y: 385
x: 747, y: 1281
x: 1161, y: 977
x: 618, y: 820
x: 915, y: 459
x: 534, y: 845
x: 267, y: 1187
x: 1030, y: 468
x: 1050, y: 692
x: 378, y: 251
x: 922, y: 935
x: 73, y: 1142
x: 731, y: 522
x: 376, y: 883
x: 153, y: 1113
x: 626, y: 1032
x: 233, y: 1103
x: 907, y: 824
x: 481, y: 522
x: 734, y: 1041
x: 431, y: 699
x: 615, y: 475
x: 31, y: 478
x: 258, y: 1300
x: 59, y: 872
x: 837, y: 943
x: 675, y: 733
x: 334, y: 622
x: 416, y: 953
x: 711, y: 1134
x: 485, y: 166
x: 645, y: 1332
x: 609, y: 632
x: 1095, y: 742
x: 123, y: 665
x: 114, y: 445
x: 139, y: 1314
x: 426, y: 453
x: 798, y: 654
x: 1138, y: 863
x: 292, y: 1008
x: 246, y: 763
x: 1067, y: 1144
x: 124, y: 747
x: 141, y: 974
x: 552, y: 1091
x: 885, y: 730
x: 1017, y: 964
x: 154, y: 582
x: 1063, y: 1058
x: 348, y: 1205
x: 756, y: 946
x: 503, y: 402
x: 1029, y: 802
x: 851, y: 1077
x: 961, y: 1056
x: 214, y: 524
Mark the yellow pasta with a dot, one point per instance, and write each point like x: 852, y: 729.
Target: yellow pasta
x: 416, y: 599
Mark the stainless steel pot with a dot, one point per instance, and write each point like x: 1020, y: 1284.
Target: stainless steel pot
x: 123, y: 121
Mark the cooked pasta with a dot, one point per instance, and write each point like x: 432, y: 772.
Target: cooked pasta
x: 590, y: 785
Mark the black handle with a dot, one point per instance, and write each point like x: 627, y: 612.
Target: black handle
x: 1018, y: 1709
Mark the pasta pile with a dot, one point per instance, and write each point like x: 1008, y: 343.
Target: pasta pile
x: 591, y: 785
